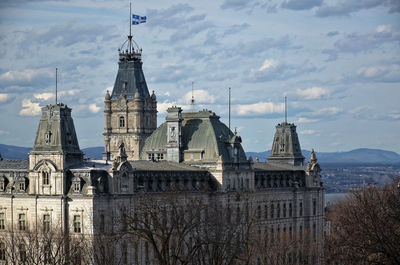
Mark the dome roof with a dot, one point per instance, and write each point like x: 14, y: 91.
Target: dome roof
x: 201, y: 131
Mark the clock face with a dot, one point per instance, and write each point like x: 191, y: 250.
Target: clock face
x: 122, y: 103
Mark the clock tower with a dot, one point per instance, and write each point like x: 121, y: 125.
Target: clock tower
x: 130, y: 111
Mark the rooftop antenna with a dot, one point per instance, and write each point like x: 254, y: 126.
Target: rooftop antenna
x: 285, y: 109
x: 192, y: 102
x: 56, y: 84
x: 229, y: 108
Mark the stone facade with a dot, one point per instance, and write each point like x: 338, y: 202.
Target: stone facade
x: 193, y: 155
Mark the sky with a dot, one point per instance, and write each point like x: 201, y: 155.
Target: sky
x: 337, y: 61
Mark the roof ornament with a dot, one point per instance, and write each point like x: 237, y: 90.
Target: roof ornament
x: 129, y: 45
x: 192, y: 101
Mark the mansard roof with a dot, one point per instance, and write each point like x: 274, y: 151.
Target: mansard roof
x: 286, y: 146
x: 14, y: 164
x: 56, y: 130
x: 201, y: 132
x: 130, y: 78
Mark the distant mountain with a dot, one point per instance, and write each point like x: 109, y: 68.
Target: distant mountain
x: 356, y: 156
x: 93, y: 152
x: 16, y: 152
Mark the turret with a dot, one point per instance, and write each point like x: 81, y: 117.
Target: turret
x: 286, y: 146
x: 56, y: 149
x: 130, y: 116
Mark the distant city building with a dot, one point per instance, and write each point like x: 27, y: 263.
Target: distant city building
x: 191, y: 153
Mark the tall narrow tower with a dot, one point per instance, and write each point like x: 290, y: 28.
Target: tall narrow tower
x: 130, y: 111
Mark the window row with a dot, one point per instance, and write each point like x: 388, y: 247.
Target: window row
x: 46, y: 222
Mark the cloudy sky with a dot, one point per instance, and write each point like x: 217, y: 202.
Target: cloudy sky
x: 337, y: 61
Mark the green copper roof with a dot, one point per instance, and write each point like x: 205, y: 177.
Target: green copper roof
x: 201, y: 131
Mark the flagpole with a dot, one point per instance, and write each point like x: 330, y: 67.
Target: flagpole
x: 130, y: 28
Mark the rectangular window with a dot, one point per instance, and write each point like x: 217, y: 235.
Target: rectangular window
x: 21, y: 222
x: 45, y: 176
x: 22, y: 186
x: 284, y: 210
x: 272, y: 211
x: 2, y: 221
x: 301, y: 209
x: 77, y: 186
x: 314, y: 205
x: 290, y: 209
x: 301, y: 232
x: 278, y: 213
x: 22, y: 252
x: 46, y: 223
x: 2, y: 251
x: 314, y: 227
x: 77, y: 224
x: 101, y: 223
x: 265, y: 211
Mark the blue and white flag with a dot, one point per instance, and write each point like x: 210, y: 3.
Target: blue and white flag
x: 138, y: 19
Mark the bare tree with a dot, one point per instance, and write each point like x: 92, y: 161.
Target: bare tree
x: 365, y: 228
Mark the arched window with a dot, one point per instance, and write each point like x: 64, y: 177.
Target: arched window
x: 45, y: 177
x: 121, y: 122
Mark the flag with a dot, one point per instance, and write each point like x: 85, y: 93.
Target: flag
x: 138, y: 19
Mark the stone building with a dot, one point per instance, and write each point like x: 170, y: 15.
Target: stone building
x: 192, y: 154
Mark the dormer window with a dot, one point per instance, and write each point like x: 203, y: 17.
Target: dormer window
x: 76, y: 185
x: 21, y: 184
x: 121, y: 122
x: 3, y: 183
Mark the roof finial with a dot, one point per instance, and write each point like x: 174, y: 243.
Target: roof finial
x: 285, y: 109
x: 56, y: 83
x: 192, y: 103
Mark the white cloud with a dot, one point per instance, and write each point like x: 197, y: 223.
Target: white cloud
x: 26, y: 77
x: 71, y: 92
x: 2, y: 132
x: 331, y: 111
x: 4, y: 97
x: 384, y: 29
x: 30, y: 108
x: 307, y: 132
x: 306, y: 120
x: 268, y: 64
x: 44, y: 96
x: 313, y: 92
x: 93, y: 108
x: 163, y: 106
x: 380, y: 73
x: 200, y: 96
x: 395, y: 115
x: 259, y: 108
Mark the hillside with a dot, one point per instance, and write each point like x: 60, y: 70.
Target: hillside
x: 16, y: 152
x: 356, y: 156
